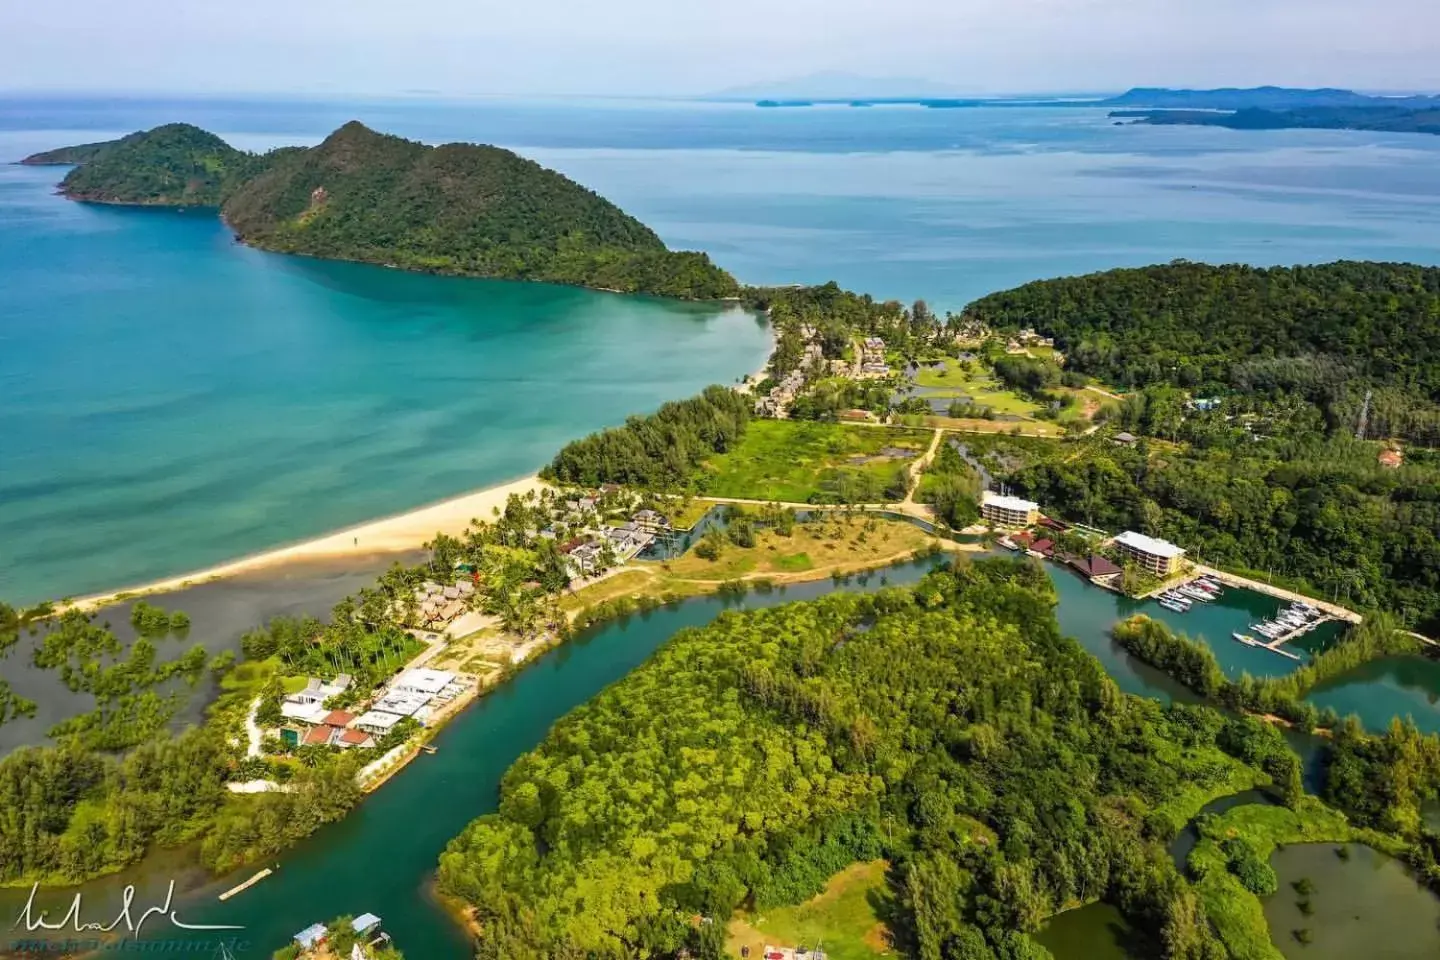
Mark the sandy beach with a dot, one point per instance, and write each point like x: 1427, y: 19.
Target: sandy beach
x: 405, y: 531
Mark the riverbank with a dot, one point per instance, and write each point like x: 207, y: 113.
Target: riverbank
x: 390, y: 535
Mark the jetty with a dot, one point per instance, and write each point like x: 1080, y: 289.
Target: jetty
x: 242, y: 887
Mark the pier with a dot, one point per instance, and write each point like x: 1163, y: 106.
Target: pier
x: 241, y: 888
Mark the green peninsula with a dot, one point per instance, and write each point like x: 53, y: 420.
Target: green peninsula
x: 173, y: 165
x: 460, y: 209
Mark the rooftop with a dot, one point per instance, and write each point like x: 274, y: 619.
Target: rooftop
x: 1009, y: 503
x: 424, y: 680
x: 378, y: 719
x: 1150, y: 545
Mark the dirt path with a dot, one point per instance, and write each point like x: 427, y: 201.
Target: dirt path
x: 917, y: 469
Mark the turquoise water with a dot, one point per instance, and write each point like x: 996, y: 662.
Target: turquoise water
x: 172, y: 400
x: 1386, y: 688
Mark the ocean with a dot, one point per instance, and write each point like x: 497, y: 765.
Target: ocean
x: 171, y: 399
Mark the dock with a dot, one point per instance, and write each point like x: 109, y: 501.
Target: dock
x: 241, y: 888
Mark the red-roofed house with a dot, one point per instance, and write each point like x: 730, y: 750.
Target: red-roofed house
x: 338, y: 718
x: 1043, y: 547
x: 1391, y: 458
x: 318, y: 736
x: 355, y: 738
x: 1023, y: 539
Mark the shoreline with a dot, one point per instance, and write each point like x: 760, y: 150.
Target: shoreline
x: 396, y: 533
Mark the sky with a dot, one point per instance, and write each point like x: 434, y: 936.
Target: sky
x: 694, y: 47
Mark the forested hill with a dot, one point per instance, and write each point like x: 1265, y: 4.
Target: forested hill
x: 458, y: 208
x: 173, y: 165
x: 1205, y: 327
x: 360, y: 195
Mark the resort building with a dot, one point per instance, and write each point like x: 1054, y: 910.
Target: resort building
x: 1158, y: 557
x: 1005, y: 511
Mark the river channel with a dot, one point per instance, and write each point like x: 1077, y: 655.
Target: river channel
x: 382, y: 857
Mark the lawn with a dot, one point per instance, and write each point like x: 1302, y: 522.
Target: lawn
x: 843, y: 919
x: 978, y: 386
x: 786, y: 460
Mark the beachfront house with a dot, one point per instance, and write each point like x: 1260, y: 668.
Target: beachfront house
x: 1004, y: 511
x: 1160, y: 558
x: 377, y: 722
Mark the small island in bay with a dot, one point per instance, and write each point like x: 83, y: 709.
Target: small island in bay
x: 461, y: 209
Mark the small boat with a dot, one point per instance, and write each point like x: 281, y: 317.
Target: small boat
x: 1172, y: 605
x: 1196, y: 594
x: 1246, y: 639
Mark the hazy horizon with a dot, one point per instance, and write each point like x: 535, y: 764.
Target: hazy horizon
x: 447, y: 48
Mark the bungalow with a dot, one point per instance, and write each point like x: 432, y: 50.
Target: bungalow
x: 1042, y: 548
x: 318, y: 736
x: 364, y: 923
x: 1125, y: 438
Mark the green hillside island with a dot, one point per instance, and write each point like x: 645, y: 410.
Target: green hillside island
x: 459, y: 209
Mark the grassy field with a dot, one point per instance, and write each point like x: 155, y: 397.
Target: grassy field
x: 785, y: 459
x: 843, y: 919
x: 836, y: 542
x: 812, y: 552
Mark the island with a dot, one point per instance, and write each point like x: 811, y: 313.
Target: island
x: 459, y: 209
x: 1278, y: 108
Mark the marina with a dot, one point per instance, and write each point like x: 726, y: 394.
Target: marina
x: 1295, y: 619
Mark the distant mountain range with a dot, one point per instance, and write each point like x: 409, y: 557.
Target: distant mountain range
x: 837, y: 86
